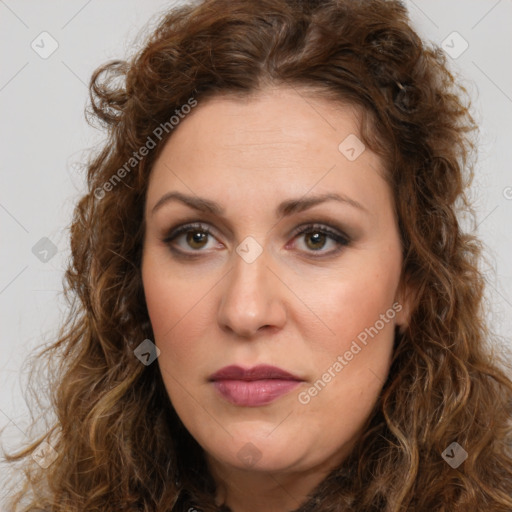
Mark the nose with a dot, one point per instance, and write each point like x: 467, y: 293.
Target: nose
x: 252, y: 298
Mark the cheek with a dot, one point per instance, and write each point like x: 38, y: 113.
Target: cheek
x: 179, y: 307
x: 353, y: 303
x: 350, y: 359
x: 350, y: 367
x: 170, y: 297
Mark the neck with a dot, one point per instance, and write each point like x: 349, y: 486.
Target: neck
x: 246, y: 490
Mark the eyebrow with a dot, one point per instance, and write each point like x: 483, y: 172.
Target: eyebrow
x: 286, y: 208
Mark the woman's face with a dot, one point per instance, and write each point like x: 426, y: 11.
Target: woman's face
x: 299, y: 270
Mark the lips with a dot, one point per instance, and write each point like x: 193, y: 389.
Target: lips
x: 253, y: 387
x: 259, y: 372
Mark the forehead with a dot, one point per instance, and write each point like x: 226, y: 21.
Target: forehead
x: 275, y: 117
x: 280, y: 140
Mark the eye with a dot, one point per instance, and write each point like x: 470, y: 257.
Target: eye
x: 196, y: 236
x: 317, y: 236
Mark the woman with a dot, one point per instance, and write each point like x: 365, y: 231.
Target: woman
x: 275, y: 307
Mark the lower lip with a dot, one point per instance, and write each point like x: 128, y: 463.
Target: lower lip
x: 254, y: 393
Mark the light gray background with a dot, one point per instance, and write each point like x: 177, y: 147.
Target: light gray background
x: 44, y: 138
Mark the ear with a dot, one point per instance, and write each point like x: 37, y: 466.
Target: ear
x: 405, y: 303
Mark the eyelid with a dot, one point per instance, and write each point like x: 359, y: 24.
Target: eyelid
x: 336, y: 235
x: 333, y: 233
x: 182, y: 228
x: 320, y: 226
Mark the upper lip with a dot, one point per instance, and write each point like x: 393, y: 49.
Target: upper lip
x: 262, y: 371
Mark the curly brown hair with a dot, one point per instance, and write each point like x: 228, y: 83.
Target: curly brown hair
x: 119, y: 444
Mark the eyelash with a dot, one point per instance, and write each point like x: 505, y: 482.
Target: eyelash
x: 334, y: 234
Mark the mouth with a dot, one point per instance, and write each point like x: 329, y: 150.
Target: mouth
x: 253, y: 387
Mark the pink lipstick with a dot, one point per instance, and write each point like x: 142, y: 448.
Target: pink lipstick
x: 253, y: 387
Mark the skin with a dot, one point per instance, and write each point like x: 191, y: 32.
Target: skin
x: 289, y: 307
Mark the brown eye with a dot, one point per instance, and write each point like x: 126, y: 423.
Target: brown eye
x: 317, y: 236
x: 317, y: 240
x: 189, y: 238
x: 196, y: 239
x: 192, y: 239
